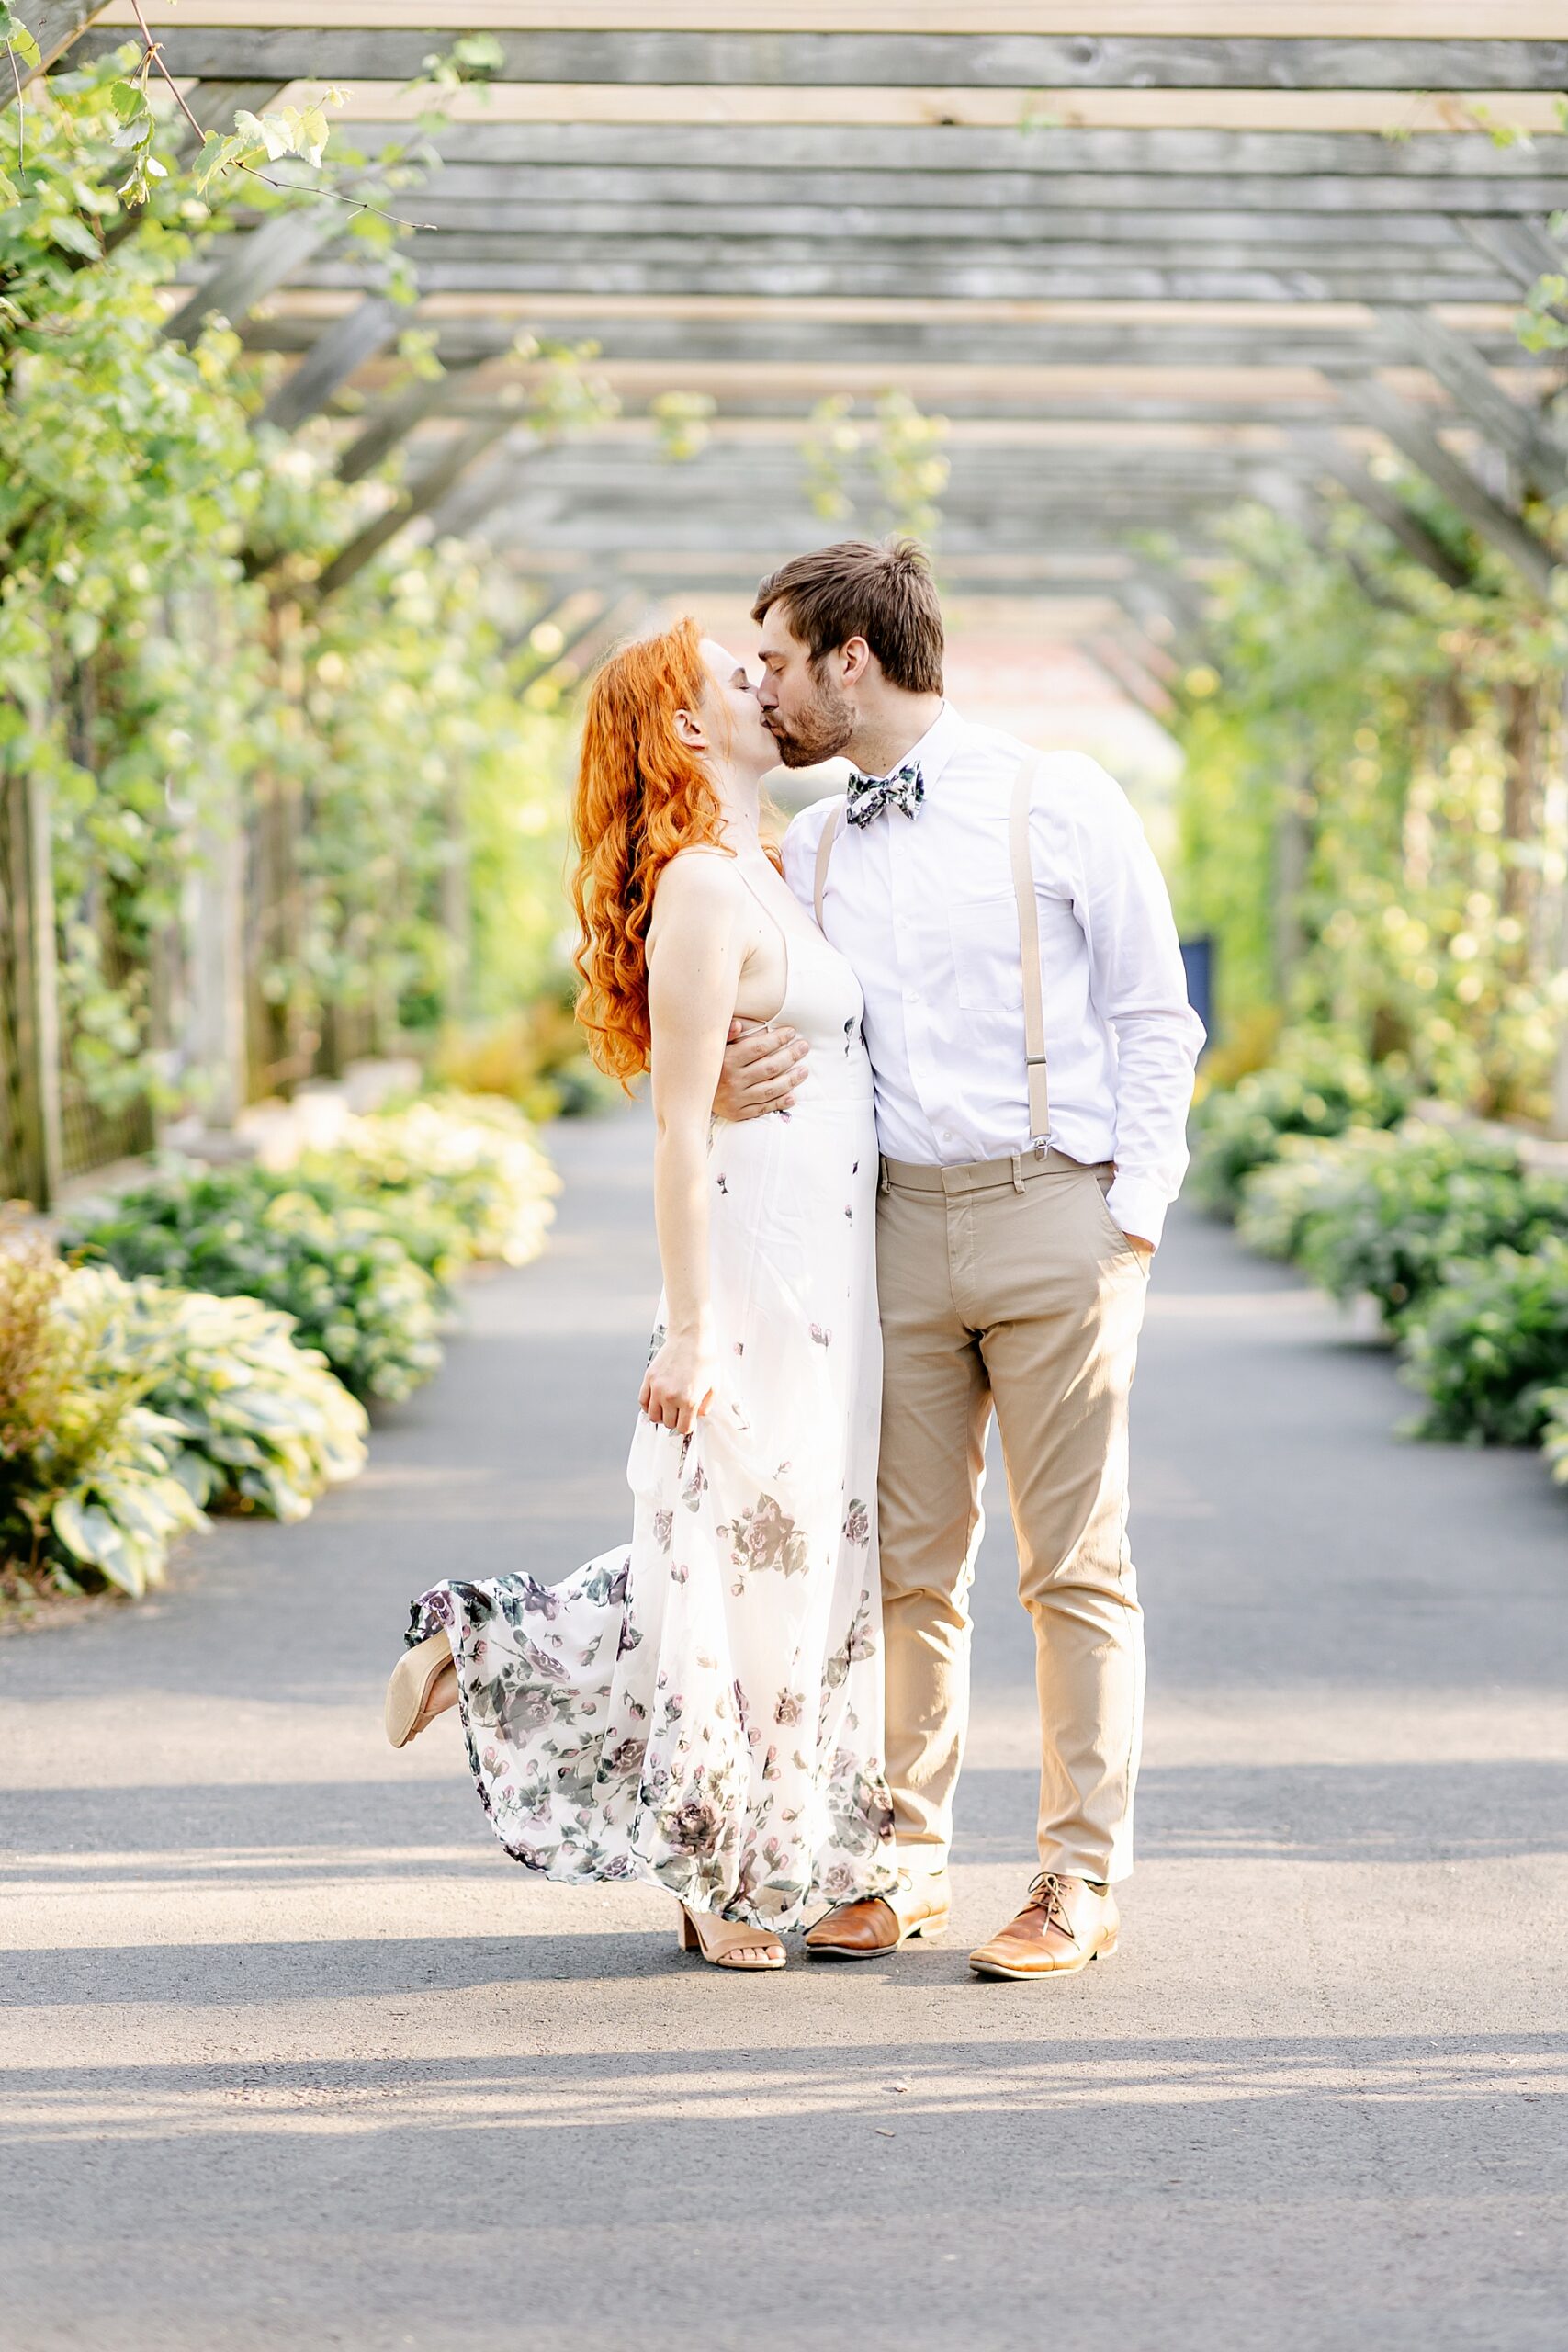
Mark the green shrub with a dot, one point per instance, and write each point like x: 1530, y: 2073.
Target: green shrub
x: 465, y: 1172
x: 262, y: 1425
x: 353, y: 1289
x: 1387, y: 1212
x: 1554, y: 1434
x: 1316, y: 1088
x: 88, y: 1493
x: 1489, y: 1351
x: 1281, y: 1200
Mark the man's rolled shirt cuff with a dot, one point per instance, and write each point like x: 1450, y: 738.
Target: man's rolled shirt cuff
x: 1138, y: 1206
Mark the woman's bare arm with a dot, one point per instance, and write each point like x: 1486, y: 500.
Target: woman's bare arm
x: 698, y: 948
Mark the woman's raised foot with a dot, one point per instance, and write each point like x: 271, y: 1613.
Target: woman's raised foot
x: 423, y: 1685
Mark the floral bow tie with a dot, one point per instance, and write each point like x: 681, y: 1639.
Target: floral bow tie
x: 870, y: 795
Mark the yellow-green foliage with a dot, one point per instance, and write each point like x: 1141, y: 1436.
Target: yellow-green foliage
x: 166, y: 668
x: 1349, y: 700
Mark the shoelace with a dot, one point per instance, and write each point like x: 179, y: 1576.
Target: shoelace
x: 1045, y: 1895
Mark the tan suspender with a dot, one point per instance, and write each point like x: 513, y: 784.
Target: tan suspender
x: 1028, y: 931
x: 824, y: 852
x: 1029, y: 947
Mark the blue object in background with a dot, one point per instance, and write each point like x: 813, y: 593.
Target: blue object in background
x: 1198, y: 955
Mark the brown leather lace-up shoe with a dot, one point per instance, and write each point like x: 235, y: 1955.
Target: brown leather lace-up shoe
x: 879, y: 1923
x: 1065, y: 1924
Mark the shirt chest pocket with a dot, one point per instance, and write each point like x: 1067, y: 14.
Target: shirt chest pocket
x: 985, y: 954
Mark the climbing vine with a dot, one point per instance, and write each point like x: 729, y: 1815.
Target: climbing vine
x: 1374, y: 816
x: 168, y: 673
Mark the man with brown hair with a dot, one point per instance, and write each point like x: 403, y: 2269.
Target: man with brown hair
x: 1032, y: 1050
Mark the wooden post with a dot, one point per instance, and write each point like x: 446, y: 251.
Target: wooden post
x: 1292, y: 861
x: 38, y: 1008
x: 456, y: 902
x: 215, y: 998
x: 1556, y: 831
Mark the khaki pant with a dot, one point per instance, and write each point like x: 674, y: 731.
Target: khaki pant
x: 1007, y: 1282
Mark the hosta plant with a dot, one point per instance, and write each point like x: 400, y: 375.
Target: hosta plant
x: 88, y: 1493
x: 1387, y: 1213
x: 1554, y: 1435
x: 351, y: 1286
x: 263, y: 1425
x: 466, y: 1167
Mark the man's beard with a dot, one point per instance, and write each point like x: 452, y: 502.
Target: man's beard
x: 820, y: 734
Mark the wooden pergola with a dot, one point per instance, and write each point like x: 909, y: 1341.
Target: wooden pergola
x: 1201, y: 252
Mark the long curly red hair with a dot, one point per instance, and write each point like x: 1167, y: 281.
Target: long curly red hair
x: 641, y: 794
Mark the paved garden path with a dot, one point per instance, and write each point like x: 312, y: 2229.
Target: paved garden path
x: 296, y: 2058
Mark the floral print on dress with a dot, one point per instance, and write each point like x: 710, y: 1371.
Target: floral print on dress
x: 701, y: 1710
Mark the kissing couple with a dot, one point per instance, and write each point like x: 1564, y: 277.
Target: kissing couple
x: 921, y: 1090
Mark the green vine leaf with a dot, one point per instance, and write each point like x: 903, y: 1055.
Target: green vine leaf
x: 15, y: 35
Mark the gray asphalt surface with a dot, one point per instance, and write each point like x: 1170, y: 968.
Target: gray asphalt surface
x: 294, y: 2056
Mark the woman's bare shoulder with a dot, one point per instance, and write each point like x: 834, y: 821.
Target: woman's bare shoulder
x: 700, y: 879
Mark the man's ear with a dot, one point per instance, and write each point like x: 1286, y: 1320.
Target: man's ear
x: 854, y: 661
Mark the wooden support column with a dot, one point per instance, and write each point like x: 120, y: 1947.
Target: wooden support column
x: 214, y: 1040
x: 1292, y: 862
x: 1522, y: 797
x: 31, y: 911
x: 455, y: 897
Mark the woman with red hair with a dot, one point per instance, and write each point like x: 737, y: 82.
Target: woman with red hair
x: 702, y: 1709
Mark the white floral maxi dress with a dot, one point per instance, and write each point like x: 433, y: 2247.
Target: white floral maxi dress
x: 703, y: 1709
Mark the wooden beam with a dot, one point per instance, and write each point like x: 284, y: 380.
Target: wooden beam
x: 1380, y: 501
x: 1042, y: 156
x: 253, y: 262
x: 421, y: 496
x: 634, y: 54
x: 347, y: 342
x: 959, y: 344
x: 610, y: 533
x: 1202, y: 19
x: 1502, y: 529
x: 761, y: 198
x: 683, y: 265
x: 857, y: 107
x: 1523, y: 437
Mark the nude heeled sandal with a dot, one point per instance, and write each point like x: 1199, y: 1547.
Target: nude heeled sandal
x: 423, y: 1685
x: 721, y: 1941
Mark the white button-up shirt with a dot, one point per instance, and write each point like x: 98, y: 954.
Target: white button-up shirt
x: 926, y: 912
